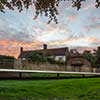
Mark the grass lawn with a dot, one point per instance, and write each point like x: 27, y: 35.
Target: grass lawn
x: 61, y: 89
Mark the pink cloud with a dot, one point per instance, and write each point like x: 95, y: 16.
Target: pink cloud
x: 12, y: 48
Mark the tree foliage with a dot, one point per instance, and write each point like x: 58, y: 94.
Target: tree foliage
x: 46, y: 7
x: 36, y: 57
x: 91, y: 58
x: 6, y: 58
x: 98, y: 57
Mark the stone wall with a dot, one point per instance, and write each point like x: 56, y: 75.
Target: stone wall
x: 46, y: 66
x: 53, y: 67
x: 6, y: 65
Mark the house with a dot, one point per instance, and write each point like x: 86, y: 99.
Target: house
x: 74, y: 61
x: 56, y: 53
x: 78, y: 62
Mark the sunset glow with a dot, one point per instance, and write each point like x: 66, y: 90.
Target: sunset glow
x: 75, y: 29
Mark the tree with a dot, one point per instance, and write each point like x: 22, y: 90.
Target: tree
x: 36, y: 57
x: 7, y: 58
x: 46, y: 7
x: 91, y: 58
x: 98, y: 57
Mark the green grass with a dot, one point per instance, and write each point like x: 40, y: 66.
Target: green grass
x: 66, y: 89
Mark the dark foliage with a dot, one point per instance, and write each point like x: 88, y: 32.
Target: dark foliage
x: 46, y: 7
x: 36, y: 57
x: 98, y: 58
x: 6, y: 58
x: 91, y: 58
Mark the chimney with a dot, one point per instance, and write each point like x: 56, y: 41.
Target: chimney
x: 21, y: 50
x: 44, y: 46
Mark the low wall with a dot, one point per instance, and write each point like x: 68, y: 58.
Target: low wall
x: 54, y: 67
x: 79, y: 69
x: 30, y: 66
x: 6, y: 65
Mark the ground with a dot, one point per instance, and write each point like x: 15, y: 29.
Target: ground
x: 58, y: 89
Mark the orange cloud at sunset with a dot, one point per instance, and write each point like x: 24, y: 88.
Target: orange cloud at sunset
x: 93, y: 39
x: 84, y: 42
x: 12, y: 48
x: 72, y: 18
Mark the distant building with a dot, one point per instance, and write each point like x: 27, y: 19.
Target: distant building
x: 56, y: 53
x: 78, y: 62
x: 74, y: 61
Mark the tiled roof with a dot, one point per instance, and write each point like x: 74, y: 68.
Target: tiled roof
x: 54, y: 51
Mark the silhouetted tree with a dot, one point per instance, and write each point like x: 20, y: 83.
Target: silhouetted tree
x: 7, y: 58
x: 36, y: 57
x: 91, y: 58
x: 47, y: 7
x: 98, y: 57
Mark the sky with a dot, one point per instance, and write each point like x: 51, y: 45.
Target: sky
x: 75, y: 29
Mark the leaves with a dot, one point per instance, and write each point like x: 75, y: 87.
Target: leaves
x: 97, y: 3
x: 77, y: 3
x: 90, y: 57
x: 46, y: 7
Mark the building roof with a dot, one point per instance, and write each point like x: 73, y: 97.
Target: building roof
x: 47, y: 52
